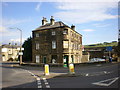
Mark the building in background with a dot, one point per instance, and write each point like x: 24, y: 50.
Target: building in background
x: 55, y: 42
x: 9, y: 52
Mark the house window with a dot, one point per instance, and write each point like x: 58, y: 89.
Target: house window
x: 53, y: 33
x: 37, y: 58
x: 65, y: 44
x: 53, y: 44
x: 65, y: 31
x: 37, y: 46
x: 37, y: 34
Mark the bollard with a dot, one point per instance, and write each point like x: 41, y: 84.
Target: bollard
x: 46, y: 69
x: 71, y: 69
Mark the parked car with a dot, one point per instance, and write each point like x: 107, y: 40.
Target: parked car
x: 96, y: 59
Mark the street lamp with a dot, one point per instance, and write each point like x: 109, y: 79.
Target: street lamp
x: 20, y: 44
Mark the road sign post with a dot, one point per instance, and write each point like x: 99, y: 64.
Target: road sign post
x: 109, y: 49
x: 46, y: 69
x: 71, y: 69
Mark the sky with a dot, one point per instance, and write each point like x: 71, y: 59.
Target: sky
x: 97, y: 21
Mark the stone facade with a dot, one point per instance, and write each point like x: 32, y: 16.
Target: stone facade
x: 56, y: 42
x: 9, y: 52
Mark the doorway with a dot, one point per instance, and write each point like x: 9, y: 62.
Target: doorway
x: 44, y: 59
x: 66, y: 59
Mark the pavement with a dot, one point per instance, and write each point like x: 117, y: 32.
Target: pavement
x: 38, y: 70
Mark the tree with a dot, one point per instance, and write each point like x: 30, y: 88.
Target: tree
x: 27, y: 53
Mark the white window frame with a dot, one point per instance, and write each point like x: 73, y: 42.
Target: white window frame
x: 37, y: 46
x: 53, y: 44
x: 65, y: 44
x: 53, y: 33
x: 65, y: 31
x: 37, y: 35
x: 37, y: 59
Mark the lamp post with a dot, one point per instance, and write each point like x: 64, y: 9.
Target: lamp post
x: 20, y: 44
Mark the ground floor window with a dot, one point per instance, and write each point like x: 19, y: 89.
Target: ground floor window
x: 37, y: 58
x: 54, y: 59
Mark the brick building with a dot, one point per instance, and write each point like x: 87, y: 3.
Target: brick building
x: 55, y: 42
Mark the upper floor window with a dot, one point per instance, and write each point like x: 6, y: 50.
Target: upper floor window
x: 53, y: 33
x: 53, y: 44
x: 65, y: 44
x: 37, y: 46
x: 37, y: 34
x: 65, y: 31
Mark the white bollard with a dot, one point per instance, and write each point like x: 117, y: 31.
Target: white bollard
x: 71, y: 69
x: 46, y: 69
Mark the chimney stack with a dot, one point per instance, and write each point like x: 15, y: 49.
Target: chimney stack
x: 73, y: 27
x: 44, y: 21
x: 52, y: 21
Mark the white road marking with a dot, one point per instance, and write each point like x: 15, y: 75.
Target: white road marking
x: 102, y: 83
x: 47, y: 86
x: 39, y: 80
x: 46, y: 83
x: 87, y: 74
x: 44, y: 78
x: 39, y: 86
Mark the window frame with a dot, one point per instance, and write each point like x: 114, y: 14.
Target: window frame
x: 37, y: 59
x: 37, y: 46
x: 53, y: 33
x: 54, y: 46
x: 65, y: 31
x: 37, y: 35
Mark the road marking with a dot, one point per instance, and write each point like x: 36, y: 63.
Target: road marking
x: 39, y: 84
x: 46, y: 83
x: 102, y: 83
x: 87, y: 74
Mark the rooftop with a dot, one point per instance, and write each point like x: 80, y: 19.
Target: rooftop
x: 48, y: 25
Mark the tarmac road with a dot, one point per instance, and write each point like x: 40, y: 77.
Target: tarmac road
x: 88, y: 76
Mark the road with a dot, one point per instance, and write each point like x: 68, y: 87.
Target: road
x: 86, y: 76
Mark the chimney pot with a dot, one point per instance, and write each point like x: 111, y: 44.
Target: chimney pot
x: 73, y: 27
x: 52, y: 21
x: 44, y: 21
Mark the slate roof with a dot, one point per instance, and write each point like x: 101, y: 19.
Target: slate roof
x: 48, y: 26
x: 9, y: 46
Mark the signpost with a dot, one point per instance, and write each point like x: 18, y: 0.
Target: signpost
x: 109, y: 49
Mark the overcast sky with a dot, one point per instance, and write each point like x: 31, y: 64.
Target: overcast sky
x: 97, y: 20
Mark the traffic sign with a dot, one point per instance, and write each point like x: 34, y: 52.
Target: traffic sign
x: 109, y: 48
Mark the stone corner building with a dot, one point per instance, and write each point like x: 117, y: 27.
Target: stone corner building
x: 56, y: 42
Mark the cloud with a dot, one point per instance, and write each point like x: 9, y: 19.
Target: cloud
x: 5, y: 32
x: 37, y: 8
x: 101, y: 25
x: 7, y: 22
x: 17, y: 40
x: 4, y: 4
x: 88, y: 30
x: 3, y: 29
x: 84, y: 12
